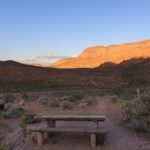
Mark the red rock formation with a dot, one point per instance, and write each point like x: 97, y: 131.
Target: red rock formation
x: 95, y: 56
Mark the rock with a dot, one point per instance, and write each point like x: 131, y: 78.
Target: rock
x: 64, y: 98
x: 82, y: 105
x: 22, y: 102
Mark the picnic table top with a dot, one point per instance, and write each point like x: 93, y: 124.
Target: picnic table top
x: 73, y: 116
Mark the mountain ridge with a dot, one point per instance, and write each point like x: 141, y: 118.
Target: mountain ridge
x: 96, y: 55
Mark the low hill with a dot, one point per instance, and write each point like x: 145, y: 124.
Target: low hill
x: 16, y: 77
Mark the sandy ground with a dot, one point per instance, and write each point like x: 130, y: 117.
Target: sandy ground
x: 118, y: 137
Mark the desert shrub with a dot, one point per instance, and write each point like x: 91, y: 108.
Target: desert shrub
x: 9, y: 98
x: 146, y: 100
x: 128, y: 110
x: 30, y: 119
x: 117, y: 90
x: 141, y: 108
x: 138, y: 125
x: 43, y: 100
x: 4, y: 146
x: 113, y: 98
x: 138, y: 111
x: 123, y: 93
x: 24, y: 130
x: 1, y: 137
x: 67, y: 105
x: 101, y: 138
x: 75, y: 97
x: 90, y: 101
x: 53, y: 103
x: 14, y: 113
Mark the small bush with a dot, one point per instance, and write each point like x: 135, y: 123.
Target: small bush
x: 146, y: 99
x: 75, y: 97
x: 128, y: 110
x: 9, y: 98
x: 43, y: 100
x: 67, y: 105
x: 4, y: 146
x: 24, y: 130
x: 113, y: 98
x: 138, y: 125
x: 1, y: 137
x: 53, y: 103
x: 30, y: 119
x: 101, y: 138
x: 14, y: 113
x: 90, y: 101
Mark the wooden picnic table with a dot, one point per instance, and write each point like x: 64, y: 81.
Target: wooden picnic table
x: 51, y: 118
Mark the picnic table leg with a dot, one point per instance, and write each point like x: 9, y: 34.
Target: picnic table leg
x: 49, y: 123
x: 93, y: 140
x: 40, y: 138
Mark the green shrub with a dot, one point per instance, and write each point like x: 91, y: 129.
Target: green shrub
x: 122, y: 93
x: 43, y: 100
x: 24, y: 130
x: 9, y: 98
x: 4, y: 146
x: 137, y: 112
x: 1, y: 137
x: 146, y: 99
x: 128, y: 110
x: 67, y: 105
x: 30, y: 119
x: 75, y: 97
x: 53, y: 103
x: 14, y: 113
x: 138, y: 125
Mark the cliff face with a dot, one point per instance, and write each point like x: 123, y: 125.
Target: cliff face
x: 95, y: 56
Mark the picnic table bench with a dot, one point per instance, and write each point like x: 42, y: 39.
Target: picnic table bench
x: 51, y: 119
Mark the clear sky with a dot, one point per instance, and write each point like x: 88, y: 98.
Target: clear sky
x: 30, y: 28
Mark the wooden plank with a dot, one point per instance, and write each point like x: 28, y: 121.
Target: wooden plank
x: 67, y: 130
x: 73, y: 117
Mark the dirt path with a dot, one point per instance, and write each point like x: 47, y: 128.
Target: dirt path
x: 118, y: 138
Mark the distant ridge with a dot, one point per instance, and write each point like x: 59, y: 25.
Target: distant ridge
x: 95, y: 56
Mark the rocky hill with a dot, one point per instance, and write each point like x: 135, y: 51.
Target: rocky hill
x: 95, y: 56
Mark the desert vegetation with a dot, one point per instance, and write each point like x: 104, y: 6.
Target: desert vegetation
x: 134, y: 110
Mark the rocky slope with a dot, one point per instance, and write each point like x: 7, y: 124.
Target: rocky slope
x: 15, y: 77
x: 95, y: 56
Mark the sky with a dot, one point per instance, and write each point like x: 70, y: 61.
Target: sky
x: 53, y: 29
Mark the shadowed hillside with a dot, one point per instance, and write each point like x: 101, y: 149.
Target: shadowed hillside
x: 15, y: 77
